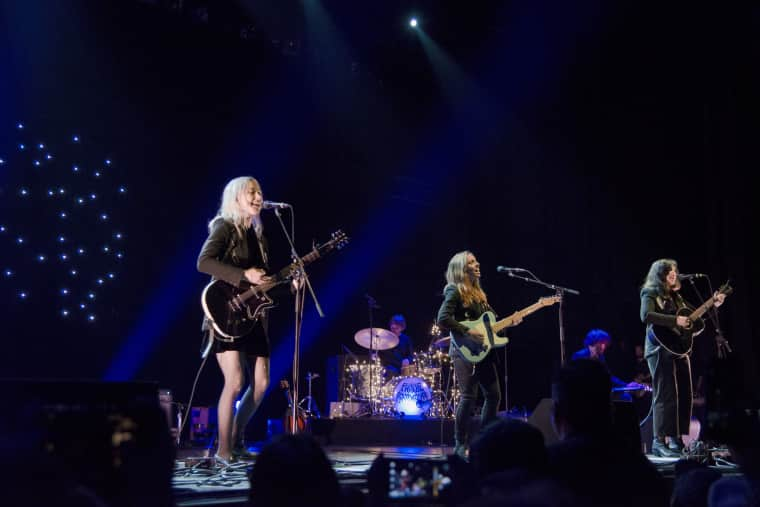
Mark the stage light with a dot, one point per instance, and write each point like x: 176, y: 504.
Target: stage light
x: 20, y: 126
x: 73, y: 272
x: 413, y: 22
x: 8, y: 273
x: 104, y: 216
x: 91, y: 317
x: 23, y: 295
x: 76, y: 139
x: 64, y: 312
x: 64, y: 292
x: 24, y: 192
x: 41, y: 258
x: 36, y: 163
x: 75, y: 168
x: 41, y: 146
x: 122, y: 190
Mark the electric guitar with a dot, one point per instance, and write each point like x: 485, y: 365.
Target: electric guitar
x: 678, y: 340
x: 475, y: 350
x: 233, y: 311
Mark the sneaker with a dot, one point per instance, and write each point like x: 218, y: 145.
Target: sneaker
x: 660, y: 449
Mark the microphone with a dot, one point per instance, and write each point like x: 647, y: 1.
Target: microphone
x: 275, y: 205
x: 504, y: 269
x: 691, y: 276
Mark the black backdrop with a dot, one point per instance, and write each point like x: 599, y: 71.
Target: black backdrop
x: 602, y: 138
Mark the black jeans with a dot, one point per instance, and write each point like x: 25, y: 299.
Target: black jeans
x: 671, y: 391
x: 469, y: 377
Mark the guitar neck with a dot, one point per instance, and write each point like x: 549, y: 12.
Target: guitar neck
x: 702, y: 309
x: 507, y: 321
x: 725, y: 289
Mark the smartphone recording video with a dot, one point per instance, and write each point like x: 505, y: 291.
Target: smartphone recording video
x: 418, y: 479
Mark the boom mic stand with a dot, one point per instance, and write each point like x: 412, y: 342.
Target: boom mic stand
x: 559, y: 291
x: 298, y: 274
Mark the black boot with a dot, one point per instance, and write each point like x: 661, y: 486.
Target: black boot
x: 676, y: 445
x: 660, y: 449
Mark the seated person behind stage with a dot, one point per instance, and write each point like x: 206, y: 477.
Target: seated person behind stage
x: 596, y: 343
x: 396, y: 360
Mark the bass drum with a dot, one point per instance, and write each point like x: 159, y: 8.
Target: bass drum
x: 412, y: 396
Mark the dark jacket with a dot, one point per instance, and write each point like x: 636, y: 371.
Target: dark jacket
x: 226, y: 254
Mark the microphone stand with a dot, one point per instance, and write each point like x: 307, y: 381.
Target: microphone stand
x: 559, y: 291
x: 298, y: 274
x: 371, y: 304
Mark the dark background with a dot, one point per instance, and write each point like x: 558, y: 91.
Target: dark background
x: 579, y: 141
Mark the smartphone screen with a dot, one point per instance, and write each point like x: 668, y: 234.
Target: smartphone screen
x: 410, y: 478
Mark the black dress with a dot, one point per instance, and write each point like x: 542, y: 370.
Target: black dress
x: 225, y: 255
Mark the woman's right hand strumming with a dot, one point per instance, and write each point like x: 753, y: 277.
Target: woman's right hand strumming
x: 683, y: 321
x: 256, y: 276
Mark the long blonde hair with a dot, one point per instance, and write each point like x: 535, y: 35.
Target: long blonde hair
x: 468, y: 287
x: 229, y: 209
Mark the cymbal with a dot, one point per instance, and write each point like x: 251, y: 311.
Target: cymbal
x: 382, y: 339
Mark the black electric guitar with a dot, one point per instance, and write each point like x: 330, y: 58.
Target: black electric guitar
x: 233, y: 311
x: 487, y: 325
x: 678, y: 340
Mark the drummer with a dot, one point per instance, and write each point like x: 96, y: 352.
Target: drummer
x: 397, y: 360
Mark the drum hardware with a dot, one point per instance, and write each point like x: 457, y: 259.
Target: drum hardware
x: 309, y: 400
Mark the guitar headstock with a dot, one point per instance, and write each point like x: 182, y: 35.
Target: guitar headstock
x: 338, y: 239
x: 726, y: 288
x: 550, y: 300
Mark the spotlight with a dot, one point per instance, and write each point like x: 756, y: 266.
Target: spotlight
x: 413, y: 23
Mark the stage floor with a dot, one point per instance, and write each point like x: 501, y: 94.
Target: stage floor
x: 198, y: 482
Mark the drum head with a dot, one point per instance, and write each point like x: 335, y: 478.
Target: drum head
x: 412, y: 396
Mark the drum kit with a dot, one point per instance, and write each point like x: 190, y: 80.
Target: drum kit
x: 425, y: 387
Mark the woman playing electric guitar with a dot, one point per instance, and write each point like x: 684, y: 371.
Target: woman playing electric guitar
x: 464, y: 300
